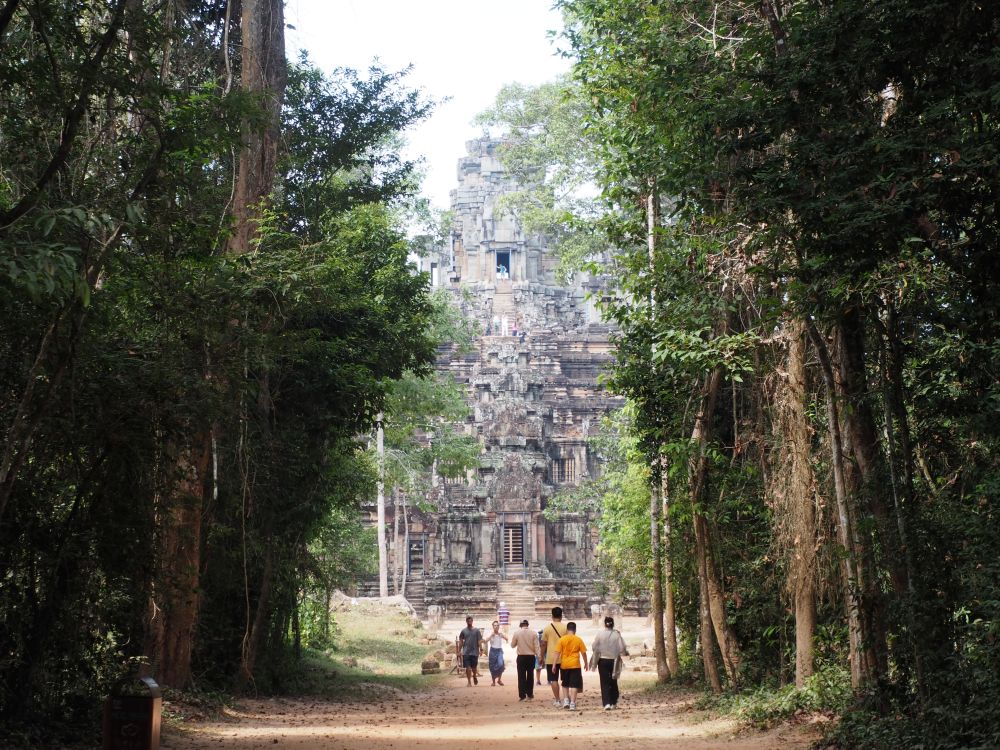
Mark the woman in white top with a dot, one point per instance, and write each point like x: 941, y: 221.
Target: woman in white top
x: 495, y: 640
x: 608, y: 650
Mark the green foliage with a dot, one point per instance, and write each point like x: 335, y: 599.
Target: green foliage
x: 131, y: 348
x: 837, y: 163
x: 828, y: 691
x: 546, y: 148
x: 341, y: 134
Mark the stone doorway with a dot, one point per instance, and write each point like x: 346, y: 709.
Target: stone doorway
x: 513, y: 544
x: 503, y: 264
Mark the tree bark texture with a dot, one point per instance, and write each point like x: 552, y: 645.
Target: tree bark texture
x: 263, y: 74
x: 397, y: 557
x: 798, y: 504
x: 656, y: 521
x: 175, y: 598
x: 705, y: 634
x: 656, y: 548
x: 864, y: 474
x: 900, y: 460
x: 253, y: 638
x: 383, y: 563
x: 669, y: 608
x: 713, y: 590
x: 862, y: 670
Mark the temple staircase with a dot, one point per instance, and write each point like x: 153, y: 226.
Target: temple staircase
x: 503, y: 299
x: 520, y: 600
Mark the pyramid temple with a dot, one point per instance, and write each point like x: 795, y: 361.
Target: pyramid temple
x: 532, y: 383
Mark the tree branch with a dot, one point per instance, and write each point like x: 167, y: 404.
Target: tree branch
x: 5, y: 15
x: 72, y: 120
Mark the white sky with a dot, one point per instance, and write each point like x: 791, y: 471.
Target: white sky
x: 463, y: 49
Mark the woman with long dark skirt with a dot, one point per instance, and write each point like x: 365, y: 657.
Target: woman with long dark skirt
x: 495, y: 640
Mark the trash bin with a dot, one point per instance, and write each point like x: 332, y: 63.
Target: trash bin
x: 132, y: 715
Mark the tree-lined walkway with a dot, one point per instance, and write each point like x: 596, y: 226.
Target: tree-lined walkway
x: 451, y: 715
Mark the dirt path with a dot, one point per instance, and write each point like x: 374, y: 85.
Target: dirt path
x: 451, y: 715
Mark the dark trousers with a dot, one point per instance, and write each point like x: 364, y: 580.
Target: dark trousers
x: 609, y: 685
x: 525, y: 682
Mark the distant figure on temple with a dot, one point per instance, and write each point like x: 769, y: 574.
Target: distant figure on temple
x: 503, y: 616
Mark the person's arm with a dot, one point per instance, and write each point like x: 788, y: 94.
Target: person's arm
x: 586, y: 663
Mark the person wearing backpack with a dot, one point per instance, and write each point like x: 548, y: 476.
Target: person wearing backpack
x: 551, y: 635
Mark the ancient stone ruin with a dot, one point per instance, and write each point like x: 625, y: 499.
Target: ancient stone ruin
x: 532, y: 384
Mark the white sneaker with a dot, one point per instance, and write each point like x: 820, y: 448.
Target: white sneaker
x: 566, y: 703
x: 608, y: 707
x: 557, y: 703
x: 571, y: 707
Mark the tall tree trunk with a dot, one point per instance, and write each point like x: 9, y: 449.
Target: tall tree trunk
x: 176, y: 599
x: 655, y: 531
x: 655, y: 519
x: 861, y: 671
x: 705, y: 633
x: 897, y: 437
x: 864, y: 485
x: 406, y: 548
x: 799, y: 502
x: 701, y: 436
x: 383, y: 563
x: 264, y: 74
x: 669, y: 610
x: 254, y: 637
x: 396, y: 536
x: 729, y: 648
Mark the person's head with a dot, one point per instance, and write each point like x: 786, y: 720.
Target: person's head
x: 557, y: 613
x: 503, y: 605
x: 571, y: 627
x: 468, y: 621
x: 524, y: 623
x: 609, y: 622
x: 496, y: 625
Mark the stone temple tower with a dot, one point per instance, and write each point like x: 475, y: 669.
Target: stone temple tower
x: 532, y: 384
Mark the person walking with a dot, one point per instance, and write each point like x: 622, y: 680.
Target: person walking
x: 470, y: 646
x: 606, y: 657
x: 569, y: 652
x: 503, y: 615
x: 525, y: 642
x: 551, y: 635
x: 495, y: 641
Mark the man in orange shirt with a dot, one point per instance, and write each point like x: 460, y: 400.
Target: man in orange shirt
x: 569, y: 651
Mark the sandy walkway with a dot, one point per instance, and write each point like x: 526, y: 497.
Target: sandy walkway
x: 452, y: 715
x: 455, y: 716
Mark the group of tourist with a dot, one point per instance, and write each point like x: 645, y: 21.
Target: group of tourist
x: 556, y: 648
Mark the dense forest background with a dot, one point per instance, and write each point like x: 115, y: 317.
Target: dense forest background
x: 205, y: 301
x: 805, y: 198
